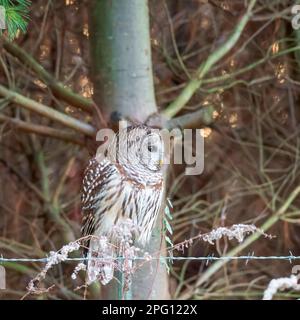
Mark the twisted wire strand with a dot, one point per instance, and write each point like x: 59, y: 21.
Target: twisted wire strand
x: 289, y: 258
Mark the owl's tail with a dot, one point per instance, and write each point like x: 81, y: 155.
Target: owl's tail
x: 101, y: 261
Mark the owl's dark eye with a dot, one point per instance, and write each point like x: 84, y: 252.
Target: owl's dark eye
x: 152, y: 148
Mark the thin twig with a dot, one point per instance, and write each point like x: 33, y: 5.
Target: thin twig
x: 54, y: 213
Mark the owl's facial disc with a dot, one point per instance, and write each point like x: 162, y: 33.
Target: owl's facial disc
x: 139, y: 149
x: 152, y: 151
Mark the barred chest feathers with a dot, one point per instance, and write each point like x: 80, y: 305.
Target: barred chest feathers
x: 110, y: 196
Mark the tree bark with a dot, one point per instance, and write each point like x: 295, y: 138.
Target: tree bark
x: 121, y: 71
x: 121, y: 67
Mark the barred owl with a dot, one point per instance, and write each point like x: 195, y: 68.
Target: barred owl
x: 126, y: 183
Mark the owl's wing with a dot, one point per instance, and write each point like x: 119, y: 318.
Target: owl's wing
x: 93, y: 189
x: 98, y: 192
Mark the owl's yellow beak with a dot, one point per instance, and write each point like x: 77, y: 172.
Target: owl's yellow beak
x: 161, y: 162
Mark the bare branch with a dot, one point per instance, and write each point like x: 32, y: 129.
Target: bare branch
x: 193, y: 120
x: 42, y: 130
x: 58, y: 89
x: 193, y: 85
x: 45, y: 111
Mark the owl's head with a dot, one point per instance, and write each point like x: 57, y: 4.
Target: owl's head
x: 140, y: 151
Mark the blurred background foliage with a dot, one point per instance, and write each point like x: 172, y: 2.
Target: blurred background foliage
x: 252, y: 147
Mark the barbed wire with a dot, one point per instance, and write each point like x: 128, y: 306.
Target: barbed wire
x: 208, y: 258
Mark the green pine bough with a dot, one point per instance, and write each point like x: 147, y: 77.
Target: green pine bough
x: 16, y: 16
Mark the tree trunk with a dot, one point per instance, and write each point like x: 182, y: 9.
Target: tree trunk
x: 121, y: 66
x: 121, y: 71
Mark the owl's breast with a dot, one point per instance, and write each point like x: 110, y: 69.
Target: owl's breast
x: 128, y: 200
